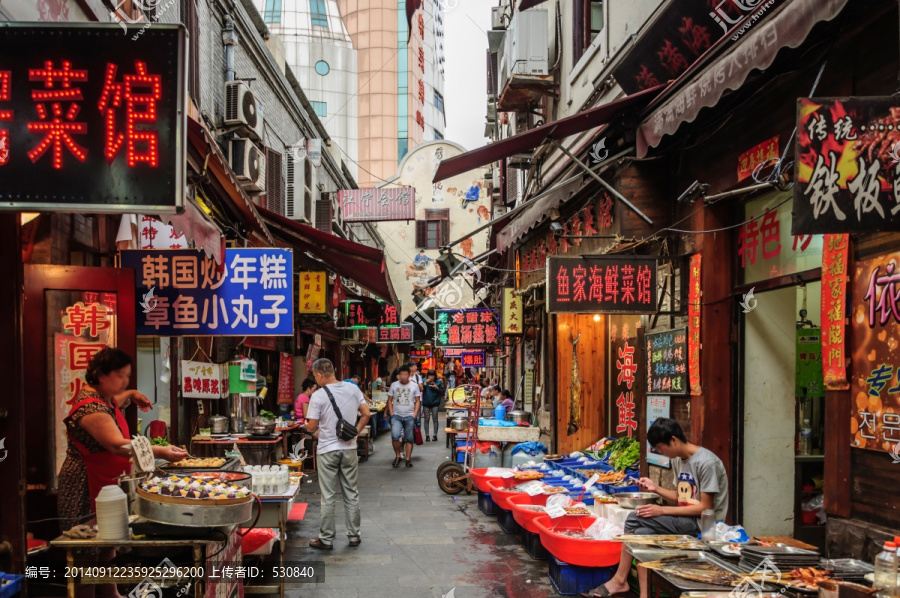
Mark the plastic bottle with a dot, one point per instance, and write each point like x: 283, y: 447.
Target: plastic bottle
x: 886, y: 570
x: 805, y: 438
x: 499, y: 412
x: 708, y: 525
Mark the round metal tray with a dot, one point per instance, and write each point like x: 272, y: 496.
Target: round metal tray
x: 202, y: 514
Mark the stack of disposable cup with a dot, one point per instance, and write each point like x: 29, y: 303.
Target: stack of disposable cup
x: 112, y: 514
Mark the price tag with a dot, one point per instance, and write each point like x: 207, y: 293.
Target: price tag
x: 143, y: 453
x: 591, y: 481
x: 534, y: 488
x: 554, y: 511
x: 507, y: 474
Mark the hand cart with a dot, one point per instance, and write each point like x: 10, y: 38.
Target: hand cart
x: 453, y: 477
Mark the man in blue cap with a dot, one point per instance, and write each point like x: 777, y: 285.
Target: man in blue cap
x: 701, y: 483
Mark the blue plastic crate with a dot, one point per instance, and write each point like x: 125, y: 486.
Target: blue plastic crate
x: 570, y: 580
x: 12, y: 588
x: 461, y: 457
x: 533, y: 546
x: 487, y: 504
x: 507, y: 522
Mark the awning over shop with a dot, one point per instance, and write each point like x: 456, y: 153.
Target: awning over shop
x: 526, y: 4
x: 360, y: 263
x: 534, y: 214
x: 559, y: 129
x: 203, y: 142
x: 756, y: 49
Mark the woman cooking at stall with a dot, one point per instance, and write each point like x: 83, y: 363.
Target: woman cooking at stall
x: 99, y: 440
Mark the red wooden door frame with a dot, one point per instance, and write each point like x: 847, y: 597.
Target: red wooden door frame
x: 38, y: 280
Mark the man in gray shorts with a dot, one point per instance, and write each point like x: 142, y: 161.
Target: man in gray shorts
x: 701, y: 483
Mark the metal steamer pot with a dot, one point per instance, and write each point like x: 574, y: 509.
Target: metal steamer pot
x: 458, y: 423
x: 218, y: 424
x: 261, y: 426
x: 518, y: 416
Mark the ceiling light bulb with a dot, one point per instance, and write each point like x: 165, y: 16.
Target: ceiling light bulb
x: 596, y: 317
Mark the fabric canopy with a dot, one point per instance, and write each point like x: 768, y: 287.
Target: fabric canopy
x: 559, y: 129
x: 360, y: 263
x: 536, y: 211
x: 755, y: 50
x: 526, y: 4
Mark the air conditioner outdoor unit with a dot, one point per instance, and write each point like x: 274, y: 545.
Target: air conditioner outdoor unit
x: 242, y: 108
x: 526, y: 49
x: 497, y: 17
x: 248, y: 164
x: 349, y: 337
x: 491, y: 112
x: 300, y: 191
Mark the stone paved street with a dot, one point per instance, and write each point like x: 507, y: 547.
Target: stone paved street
x: 416, y: 540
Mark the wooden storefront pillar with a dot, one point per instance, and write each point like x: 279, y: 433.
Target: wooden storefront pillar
x: 712, y: 411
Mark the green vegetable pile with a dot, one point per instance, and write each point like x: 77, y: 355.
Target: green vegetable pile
x: 267, y: 414
x: 627, y: 457
x: 159, y: 441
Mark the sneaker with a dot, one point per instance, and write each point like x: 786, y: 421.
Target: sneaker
x: 427, y: 439
x: 434, y: 438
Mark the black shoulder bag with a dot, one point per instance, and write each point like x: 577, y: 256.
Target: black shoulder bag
x: 345, y: 430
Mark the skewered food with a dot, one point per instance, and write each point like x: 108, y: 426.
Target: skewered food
x: 807, y: 578
x: 199, y: 463
x: 605, y: 478
x: 576, y: 511
x: 528, y: 475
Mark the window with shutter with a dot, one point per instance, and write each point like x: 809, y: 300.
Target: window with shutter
x: 434, y: 231
x: 421, y: 230
x: 274, y: 182
x: 323, y: 215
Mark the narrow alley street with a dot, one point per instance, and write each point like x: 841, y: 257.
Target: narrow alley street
x: 417, y: 542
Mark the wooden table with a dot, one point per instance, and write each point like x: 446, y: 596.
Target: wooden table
x: 253, y: 456
x: 200, y: 550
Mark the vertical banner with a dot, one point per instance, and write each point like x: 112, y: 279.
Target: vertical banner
x: 286, y: 380
x: 875, y: 326
x: 312, y: 291
x: 625, y: 378
x: 835, y: 258
x: 694, y: 326
x: 511, y: 322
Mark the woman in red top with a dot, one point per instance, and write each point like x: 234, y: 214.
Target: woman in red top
x: 302, y: 403
x: 99, y: 443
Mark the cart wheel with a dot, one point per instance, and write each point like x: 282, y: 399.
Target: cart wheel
x: 446, y: 479
x: 444, y: 466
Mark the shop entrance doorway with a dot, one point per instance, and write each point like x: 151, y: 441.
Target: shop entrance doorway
x: 70, y: 313
x: 783, y: 412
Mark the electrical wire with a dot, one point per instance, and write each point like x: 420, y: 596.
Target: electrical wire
x: 724, y: 228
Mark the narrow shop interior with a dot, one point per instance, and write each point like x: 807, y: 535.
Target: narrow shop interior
x: 783, y: 414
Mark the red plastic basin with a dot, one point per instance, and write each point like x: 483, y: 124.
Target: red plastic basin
x: 585, y: 553
x: 525, y: 508
x: 499, y: 489
x: 480, y: 480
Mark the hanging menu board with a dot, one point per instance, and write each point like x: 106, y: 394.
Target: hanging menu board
x: 667, y: 353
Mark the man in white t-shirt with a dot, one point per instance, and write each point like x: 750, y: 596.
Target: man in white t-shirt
x: 415, y: 376
x: 336, y: 459
x: 404, y: 402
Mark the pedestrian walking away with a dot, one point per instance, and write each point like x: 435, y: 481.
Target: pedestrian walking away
x: 431, y: 401
x: 404, y: 402
x: 336, y: 460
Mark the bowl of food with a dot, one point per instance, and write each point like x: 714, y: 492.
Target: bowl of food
x: 633, y: 500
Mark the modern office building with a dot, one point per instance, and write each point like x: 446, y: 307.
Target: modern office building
x: 400, y: 84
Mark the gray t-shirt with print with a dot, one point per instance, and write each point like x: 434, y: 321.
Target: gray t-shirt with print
x: 702, y: 472
x: 404, y: 397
